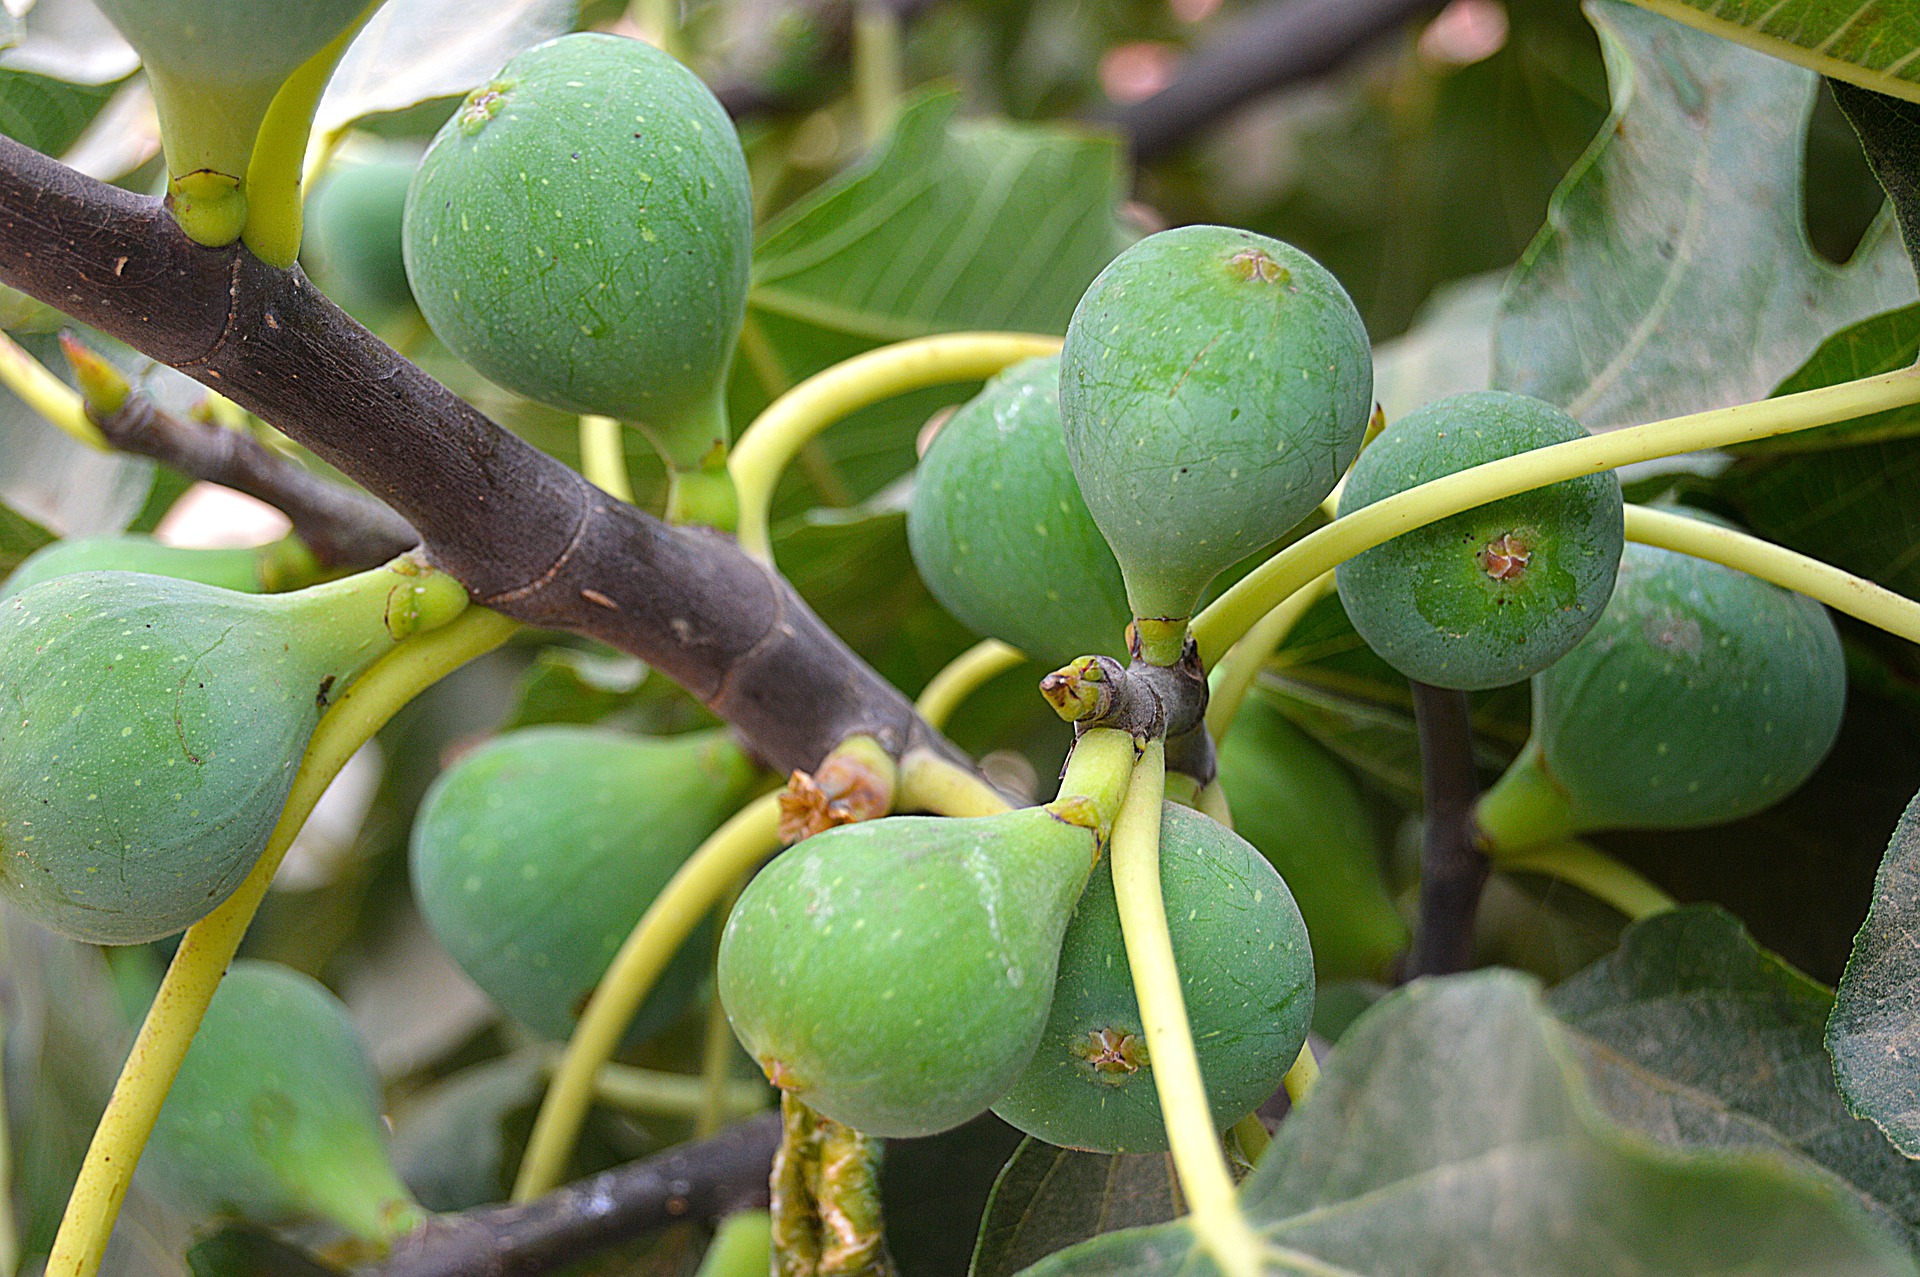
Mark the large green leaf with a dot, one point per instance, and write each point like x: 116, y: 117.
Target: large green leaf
x: 1882, y: 343
x: 1872, y: 43
x: 1048, y: 1198
x: 1674, y: 272
x: 1874, y: 1033
x: 1454, y: 1133
x: 19, y: 537
x: 950, y: 224
x: 1700, y: 1038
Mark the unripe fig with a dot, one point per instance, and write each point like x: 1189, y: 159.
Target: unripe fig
x: 214, y: 66
x: 1215, y: 384
x: 1703, y: 695
x: 1304, y: 813
x: 228, y: 569
x: 580, y: 232
x: 1495, y: 594
x: 896, y: 974
x: 153, y: 727
x: 1246, y: 974
x: 1000, y: 532
x: 353, y: 238
x: 275, y: 1115
x: 535, y: 854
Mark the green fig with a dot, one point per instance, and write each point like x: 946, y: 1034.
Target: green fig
x: 353, y: 238
x: 214, y: 67
x: 1702, y: 696
x: 896, y: 974
x: 535, y: 854
x: 1215, y: 384
x: 1000, y: 532
x: 1495, y: 594
x: 153, y: 727
x: 1301, y: 808
x: 258, y: 570
x: 580, y: 232
x: 1246, y: 973
x: 275, y: 1116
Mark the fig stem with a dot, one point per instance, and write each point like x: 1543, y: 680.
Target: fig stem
x: 1230, y: 616
x: 1840, y: 590
x: 1233, y: 677
x: 1205, y: 1178
x: 878, y: 78
x: 695, y: 888
x: 1525, y: 808
x: 209, y: 945
x: 1212, y: 801
x: 1303, y: 1076
x: 50, y: 397
x: 939, y: 785
x: 1096, y: 778
x: 603, y: 457
x: 964, y: 675
x: 273, y: 227
x: 653, y: 1093
x: 1592, y: 870
x: 766, y: 446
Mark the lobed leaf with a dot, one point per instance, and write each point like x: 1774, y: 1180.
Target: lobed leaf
x: 1874, y: 1032
x: 1674, y: 272
x: 1048, y: 1198
x: 1454, y: 1132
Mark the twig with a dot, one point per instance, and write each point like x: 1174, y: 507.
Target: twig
x: 703, y: 1180
x: 1452, y: 869
x: 527, y: 535
x: 343, y: 528
x: 1283, y: 42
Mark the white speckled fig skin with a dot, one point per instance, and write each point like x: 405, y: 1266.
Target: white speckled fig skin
x: 1215, y: 384
x: 581, y: 230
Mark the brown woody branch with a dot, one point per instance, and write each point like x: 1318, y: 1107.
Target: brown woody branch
x: 1453, y: 870
x: 700, y: 1181
x: 526, y: 535
x: 343, y: 528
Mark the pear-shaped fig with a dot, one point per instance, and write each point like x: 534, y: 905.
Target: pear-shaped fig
x: 580, y: 232
x: 153, y: 727
x: 535, y: 854
x: 1495, y: 594
x: 1000, y: 532
x: 1703, y: 695
x: 1246, y: 974
x: 1302, y: 810
x: 1215, y: 384
x: 896, y: 974
x: 275, y: 1115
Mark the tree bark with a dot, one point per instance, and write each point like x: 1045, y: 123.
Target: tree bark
x: 527, y: 535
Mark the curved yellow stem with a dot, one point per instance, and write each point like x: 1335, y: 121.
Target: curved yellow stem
x: 1303, y: 1076
x: 652, y: 1093
x: 1231, y: 615
x: 824, y: 398
x: 964, y: 675
x: 1233, y: 676
x: 603, y: 457
x: 1593, y: 871
x: 1205, y: 1177
x: 717, y: 1051
x: 47, y: 395
x: 274, y: 173
x: 734, y: 849
x: 209, y: 945
x: 929, y: 782
x: 1840, y: 590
